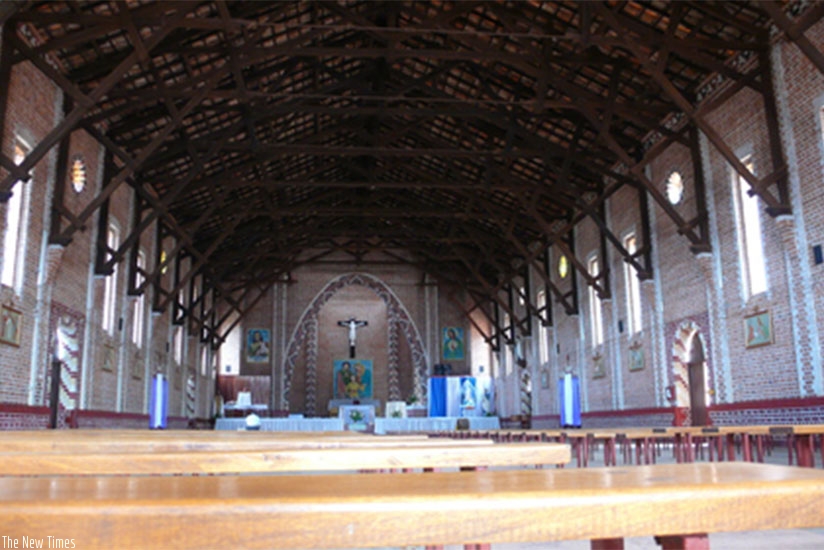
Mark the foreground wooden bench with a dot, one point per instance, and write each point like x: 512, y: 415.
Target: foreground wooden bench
x: 360, y: 510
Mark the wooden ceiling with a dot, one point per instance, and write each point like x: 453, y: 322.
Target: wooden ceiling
x: 463, y: 138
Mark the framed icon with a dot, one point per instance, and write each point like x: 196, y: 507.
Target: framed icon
x: 12, y: 320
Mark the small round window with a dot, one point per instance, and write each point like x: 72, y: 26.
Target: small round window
x: 675, y: 188
x: 78, y: 174
x: 563, y: 267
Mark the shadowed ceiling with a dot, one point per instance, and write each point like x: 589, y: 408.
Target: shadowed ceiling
x: 463, y: 138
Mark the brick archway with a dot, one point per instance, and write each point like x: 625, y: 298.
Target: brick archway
x: 686, y: 332
x: 399, y: 321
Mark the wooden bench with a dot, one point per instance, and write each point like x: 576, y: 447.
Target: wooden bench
x: 405, y: 456
x: 359, y: 510
x: 127, y: 441
x: 801, y: 441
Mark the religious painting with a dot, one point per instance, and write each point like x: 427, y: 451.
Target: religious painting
x: 352, y: 378
x: 108, y: 360
x: 136, y: 370
x: 544, y: 379
x: 598, y: 369
x: 12, y: 319
x: 486, y: 391
x: 178, y: 375
x: 758, y: 329
x: 636, y: 357
x: 258, y: 342
x: 453, y: 343
x: 469, y: 394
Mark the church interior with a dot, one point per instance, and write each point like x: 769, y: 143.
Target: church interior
x: 417, y: 217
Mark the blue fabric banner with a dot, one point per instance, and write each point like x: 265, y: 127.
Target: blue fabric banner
x: 437, y: 396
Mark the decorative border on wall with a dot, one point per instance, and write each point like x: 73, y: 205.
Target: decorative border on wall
x: 191, y: 391
x: 302, y: 334
x: 15, y: 416
x: 803, y: 410
x: 394, y: 359
x: 653, y: 417
x: 71, y: 323
x: 82, y: 418
x: 684, y: 331
x: 311, y: 364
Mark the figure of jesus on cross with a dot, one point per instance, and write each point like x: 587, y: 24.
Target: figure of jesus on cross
x: 354, y: 325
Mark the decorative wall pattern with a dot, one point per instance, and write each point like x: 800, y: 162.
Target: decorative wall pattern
x: 311, y: 364
x: 66, y: 327
x: 305, y: 333
x: 685, y: 332
x: 191, y: 395
x: 394, y: 359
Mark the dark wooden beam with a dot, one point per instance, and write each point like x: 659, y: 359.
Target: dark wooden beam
x: 794, y: 32
x: 87, y: 101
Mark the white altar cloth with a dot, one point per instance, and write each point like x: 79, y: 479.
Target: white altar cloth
x: 284, y: 424
x: 382, y: 425
x: 433, y: 424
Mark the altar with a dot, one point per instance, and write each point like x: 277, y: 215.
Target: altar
x: 381, y: 425
x: 334, y: 405
x: 357, y: 418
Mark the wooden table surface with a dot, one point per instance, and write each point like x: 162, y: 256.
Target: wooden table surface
x: 354, y: 510
x: 443, y: 454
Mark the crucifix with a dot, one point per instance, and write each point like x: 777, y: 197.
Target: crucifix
x: 354, y: 325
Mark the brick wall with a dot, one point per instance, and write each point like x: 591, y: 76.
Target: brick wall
x: 684, y: 289
x: 91, y: 419
x: 783, y: 411
x: 23, y: 417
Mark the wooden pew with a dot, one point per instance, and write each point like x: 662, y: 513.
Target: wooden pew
x: 358, y: 510
x: 801, y: 442
x: 120, y: 441
x: 362, y: 456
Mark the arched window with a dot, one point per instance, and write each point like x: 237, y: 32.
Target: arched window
x: 139, y: 303
x: 750, y: 242
x: 595, y: 320
x: 110, y: 290
x: 633, y: 288
x: 14, y: 237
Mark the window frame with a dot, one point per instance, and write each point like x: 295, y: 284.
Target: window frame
x: 635, y: 320
x: 109, y: 314
x: 749, y: 233
x: 543, y: 336
x: 596, y: 320
x: 14, y: 240
x: 139, y: 303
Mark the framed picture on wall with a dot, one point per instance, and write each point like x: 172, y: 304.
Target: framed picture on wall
x: 758, y: 329
x: 11, y: 320
x: 453, y: 343
x: 258, y: 344
x: 636, y: 357
x: 352, y: 378
x: 109, y: 358
x: 544, y: 379
x: 598, y: 369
